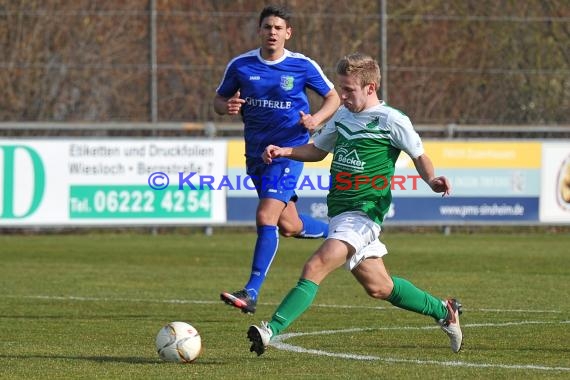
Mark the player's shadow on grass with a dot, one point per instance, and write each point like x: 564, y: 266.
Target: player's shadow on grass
x: 99, y: 359
x: 103, y: 359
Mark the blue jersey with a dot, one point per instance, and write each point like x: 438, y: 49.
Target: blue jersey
x: 274, y: 93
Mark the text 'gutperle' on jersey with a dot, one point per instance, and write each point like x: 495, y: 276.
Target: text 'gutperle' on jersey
x: 366, y: 144
x: 274, y: 93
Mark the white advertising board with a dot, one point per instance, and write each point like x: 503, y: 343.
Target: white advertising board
x: 555, y: 183
x: 110, y: 181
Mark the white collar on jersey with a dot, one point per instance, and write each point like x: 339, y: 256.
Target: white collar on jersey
x: 286, y: 53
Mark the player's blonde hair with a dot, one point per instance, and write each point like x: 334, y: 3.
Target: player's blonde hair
x: 362, y: 66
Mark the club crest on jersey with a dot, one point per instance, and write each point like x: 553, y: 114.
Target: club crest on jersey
x: 374, y: 123
x: 287, y: 82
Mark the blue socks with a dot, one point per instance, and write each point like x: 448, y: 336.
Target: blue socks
x: 312, y: 228
x: 265, y: 250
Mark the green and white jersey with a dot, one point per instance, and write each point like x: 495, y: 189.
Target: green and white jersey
x: 365, y: 148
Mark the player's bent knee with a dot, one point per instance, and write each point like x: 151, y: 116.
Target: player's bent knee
x: 311, y: 267
x: 315, y: 270
x: 381, y: 293
x: 286, y: 232
x: 289, y: 229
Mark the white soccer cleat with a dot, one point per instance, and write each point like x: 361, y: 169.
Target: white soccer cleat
x: 450, y: 325
x: 259, y: 337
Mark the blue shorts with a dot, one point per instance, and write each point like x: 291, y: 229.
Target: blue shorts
x: 277, y: 180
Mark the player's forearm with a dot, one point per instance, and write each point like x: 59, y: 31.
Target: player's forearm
x: 331, y: 102
x: 424, y: 167
x: 220, y: 105
x: 306, y: 153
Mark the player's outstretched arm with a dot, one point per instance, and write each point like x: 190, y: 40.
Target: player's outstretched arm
x: 308, y: 153
x: 425, y: 169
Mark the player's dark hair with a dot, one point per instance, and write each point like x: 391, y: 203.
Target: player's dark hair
x: 277, y: 11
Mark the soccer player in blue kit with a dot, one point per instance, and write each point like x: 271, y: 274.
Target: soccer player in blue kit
x: 267, y: 86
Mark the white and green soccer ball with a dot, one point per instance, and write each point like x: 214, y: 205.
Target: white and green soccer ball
x: 178, y: 342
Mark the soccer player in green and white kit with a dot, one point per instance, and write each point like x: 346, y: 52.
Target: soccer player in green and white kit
x: 365, y: 136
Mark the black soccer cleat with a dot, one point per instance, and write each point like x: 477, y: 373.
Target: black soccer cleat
x: 240, y: 299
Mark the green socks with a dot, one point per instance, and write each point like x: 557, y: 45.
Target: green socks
x: 293, y: 305
x: 406, y: 296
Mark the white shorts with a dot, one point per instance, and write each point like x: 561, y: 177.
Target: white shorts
x: 358, y: 230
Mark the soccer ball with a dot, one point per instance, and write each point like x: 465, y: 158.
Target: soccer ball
x: 178, y: 342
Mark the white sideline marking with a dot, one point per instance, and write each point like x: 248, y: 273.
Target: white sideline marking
x: 278, y: 343
x: 289, y: 347
x: 176, y: 301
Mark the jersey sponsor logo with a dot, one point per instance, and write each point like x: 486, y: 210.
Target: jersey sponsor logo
x: 346, y: 159
x: 287, y: 82
x: 254, y: 77
x: 266, y: 103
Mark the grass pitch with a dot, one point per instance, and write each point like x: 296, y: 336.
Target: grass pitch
x: 89, y: 306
